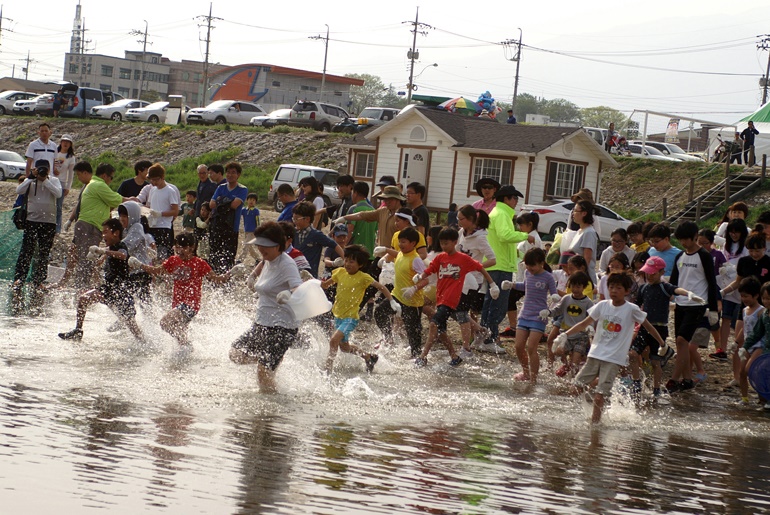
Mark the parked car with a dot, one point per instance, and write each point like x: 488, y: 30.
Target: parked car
x: 8, y: 98
x: 12, y: 165
x: 78, y: 101
x: 599, y: 135
x: 316, y: 115
x: 153, y: 113
x: 649, y: 153
x: 369, y: 117
x: 41, y: 105
x: 226, y: 111
x: 277, y: 117
x: 292, y: 174
x: 554, y: 215
x: 669, y: 150
x: 116, y: 110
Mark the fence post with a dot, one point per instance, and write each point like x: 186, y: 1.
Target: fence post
x: 698, y: 210
x: 764, y: 167
x: 727, y: 189
x: 692, y: 189
x: 665, y: 208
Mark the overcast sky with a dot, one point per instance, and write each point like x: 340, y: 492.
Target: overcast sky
x: 617, y: 54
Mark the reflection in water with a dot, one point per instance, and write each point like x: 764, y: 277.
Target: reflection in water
x: 172, y: 426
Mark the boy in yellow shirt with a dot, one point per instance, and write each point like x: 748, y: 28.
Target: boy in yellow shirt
x: 351, y: 284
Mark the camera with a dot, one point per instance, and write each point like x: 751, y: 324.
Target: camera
x: 42, y: 172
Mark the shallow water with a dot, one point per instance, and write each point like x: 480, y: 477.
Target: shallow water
x: 108, y: 424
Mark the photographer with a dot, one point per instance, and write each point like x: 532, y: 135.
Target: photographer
x: 41, y: 190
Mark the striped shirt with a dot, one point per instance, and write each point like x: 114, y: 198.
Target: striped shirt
x: 39, y: 150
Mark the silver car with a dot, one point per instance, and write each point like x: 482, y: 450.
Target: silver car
x: 8, y: 98
x: 221, y: 112
x: 116, y: 110
x: 316, y: 115
x: 153, y: 113
x: 12, y: 165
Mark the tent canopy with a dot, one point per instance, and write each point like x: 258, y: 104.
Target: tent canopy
x: 761, y: 115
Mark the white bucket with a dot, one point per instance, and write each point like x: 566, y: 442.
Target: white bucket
x: 309, y: 300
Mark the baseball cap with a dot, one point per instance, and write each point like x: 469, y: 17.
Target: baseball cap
x: 386, y: 180
x: 340, y: 229
x: 66, y: 137
x: 43, y: 163
x: 653, y: 265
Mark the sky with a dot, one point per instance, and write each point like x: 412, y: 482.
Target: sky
x: 693, y: 59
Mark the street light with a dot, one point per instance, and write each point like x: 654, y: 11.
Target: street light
x: 411, y: 86
x: 434, y: 65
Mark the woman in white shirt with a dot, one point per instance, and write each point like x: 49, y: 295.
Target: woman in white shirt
x: 64, y: 170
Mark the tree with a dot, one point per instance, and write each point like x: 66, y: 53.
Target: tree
x: 392, y: 99
x: 526, y: 104
x: 560, y: 110
x: 601, y: 116
x: 150, y: 96
x: 370, y: 94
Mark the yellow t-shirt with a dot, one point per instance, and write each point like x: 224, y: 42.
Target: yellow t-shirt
x: 350, y: 292
x: 588, y: 291
x: 404, y: 273
x: 420, y: 243
x: 641, y: 247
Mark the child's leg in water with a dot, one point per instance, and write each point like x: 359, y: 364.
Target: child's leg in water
x: 175, y: 323
x: 522, y: 335
x: 533, y: 340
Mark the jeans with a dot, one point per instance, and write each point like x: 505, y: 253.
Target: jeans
x: 37, y: 243
x: 412, y: 323
x: 494, y: 311
x: 224, y: 246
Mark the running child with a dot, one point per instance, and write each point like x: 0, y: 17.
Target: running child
x: 115, y: 291
x: 571, y: 310
x: 614, y: 320
x: 750, y: 289
x: 351, y: 283
x: 188, y: 272
x: 654, y: 298
x: 451, y: 267
x: 537, y: 285
x: 527, y: 222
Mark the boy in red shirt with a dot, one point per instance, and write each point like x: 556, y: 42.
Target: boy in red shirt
x: 188, y: 271
x: 451, y: 267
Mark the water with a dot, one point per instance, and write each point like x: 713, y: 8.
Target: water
x: 109, y: 425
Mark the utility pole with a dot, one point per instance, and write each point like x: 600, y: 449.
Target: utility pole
x: 764, y: 44
x: 206, y: 61
x: 26, y: 68
x: 326, y: 53
x: 144, y: 53
x: 413, y: 54
x: 1, y: 23
x: 515, y: 57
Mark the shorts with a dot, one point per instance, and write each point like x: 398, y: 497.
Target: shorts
x: 644, y: 339
x: 687, y: 319
x: 471, y: 301
x: 604, y: 370
x: 531, y: 325
x: 345, y: 326
x: 267, y: 344
x: 514, y: 297
x: 444, y: 313
x: 188, y: 311
x: 119, y: 299
x: 578, y: 343
x: 731, y: 311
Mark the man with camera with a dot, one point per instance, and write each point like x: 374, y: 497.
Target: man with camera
x: 41, y: 189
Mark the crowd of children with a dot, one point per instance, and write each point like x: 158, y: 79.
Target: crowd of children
x: 607, y: 318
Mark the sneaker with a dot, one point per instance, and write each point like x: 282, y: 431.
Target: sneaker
x: 492, y: 348
x: 115, y: 327
x: 521, y: 376
x: 669, y: 354
x: 700, y: 378
x: 75, y: 334
x: 719, y: 354
x: 466, y: 354
x: 456, y: 362
x: 733, y: 383
x: 420, y: 362
x: 562, y: 371
x: 742, y: 404
x: 686, y: 384
x: 371, y: 361
x: 509, y: 332
x: 481, y: 336
x: 673, y: 386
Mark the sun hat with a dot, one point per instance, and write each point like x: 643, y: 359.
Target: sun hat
x: 391, y: 192
x: 262, y: 242
x: 653, y: 265
x: 485, y: 181
x: 583, y: 194
x: 66, y: 137
x: 508, y: 191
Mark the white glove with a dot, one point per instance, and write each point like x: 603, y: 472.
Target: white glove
x: 409, y: 292
x: 339, y: 262
x: 559, y: 342
x: 590, y: 331
x: 283, y: 297
x: 95, y: 252
x: 732, y: 347
x: 155, y: 214
x: 340, y: 220
x: 416, y: 279
x: 695, y: 298
x: 67, y: 225
x: 134, y: 263
x: 381, y: 262
x: 743, y: 354
x: 719, y: 241
x: 713, y: 317
x: 544, y: 314
x: 239, y: 270
x: 152, y: 253
x: 554, y: 298
x: 200, y: 224
x: 494, y: 291
x: 380, y: 251
x: 305, y: 275
x: 662, y: 350
x: 395, y: 306
x: 722, y: 293
x: 506, y: 285
x: 251, y: 281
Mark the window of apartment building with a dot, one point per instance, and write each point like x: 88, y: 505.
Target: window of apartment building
x: 308, y: 88
x: 137, y: 73
x: 197, y: 77
x: 338, y: 93
x: 185, y: 76
x: 73, y: 68
x: 563, y: 178
x: 105, y: 87
x: 276, y: 83
x: 364, y: 165
x: 107, y: 70
x: 497, y: 169
x: 125, y: 73
x: 125, y: 92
